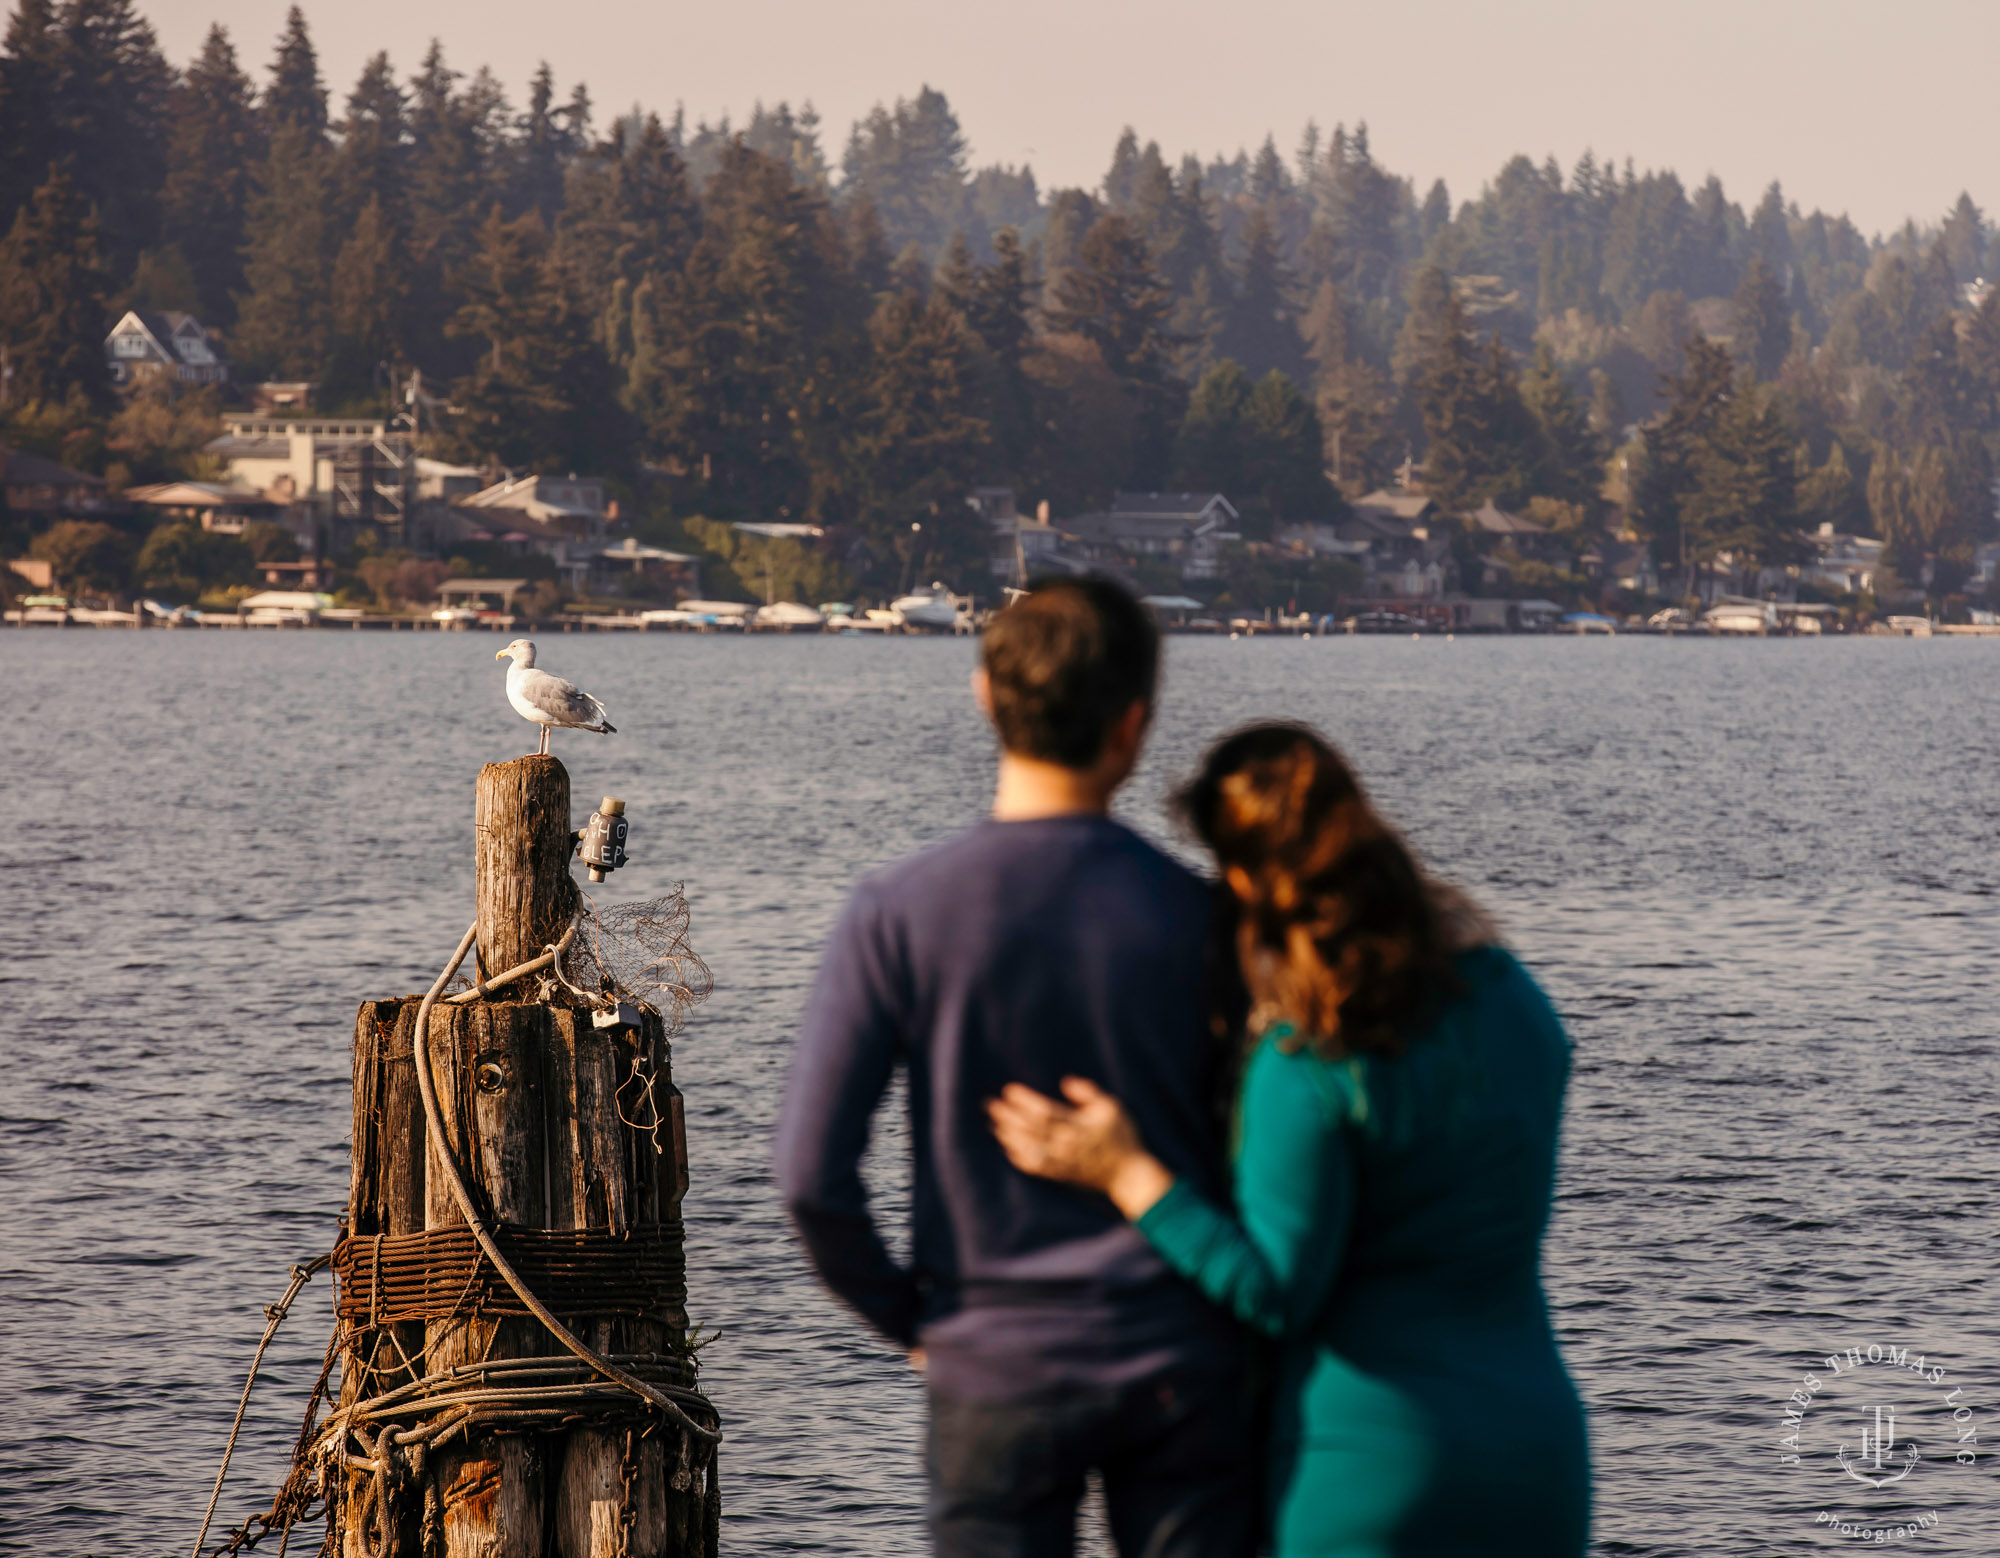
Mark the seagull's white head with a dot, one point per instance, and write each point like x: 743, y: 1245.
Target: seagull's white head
x: 521, y: 652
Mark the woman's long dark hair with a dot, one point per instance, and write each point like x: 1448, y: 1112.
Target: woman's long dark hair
x: 1358, y: 941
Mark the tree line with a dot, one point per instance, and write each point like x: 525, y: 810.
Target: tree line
x: 727, y: 322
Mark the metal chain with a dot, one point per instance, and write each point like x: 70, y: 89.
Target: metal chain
x: 628, y: 1514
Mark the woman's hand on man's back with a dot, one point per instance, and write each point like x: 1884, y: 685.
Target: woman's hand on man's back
x: 1089, y: 1140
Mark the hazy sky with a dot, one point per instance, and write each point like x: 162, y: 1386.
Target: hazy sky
x: 1883, y: 111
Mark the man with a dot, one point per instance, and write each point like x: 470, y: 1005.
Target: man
x: 1049, y: 940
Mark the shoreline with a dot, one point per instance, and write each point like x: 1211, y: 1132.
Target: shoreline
x: 591, y: 623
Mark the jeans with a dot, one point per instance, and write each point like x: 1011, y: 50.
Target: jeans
x: 1177, y: 1455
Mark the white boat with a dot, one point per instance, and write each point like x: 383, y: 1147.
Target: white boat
x: 454, y: 616
x: 787, y: 616
x: 1910, y: 627
x: 93, y: 617
x: 1755, y: 618
x: 934, y: 610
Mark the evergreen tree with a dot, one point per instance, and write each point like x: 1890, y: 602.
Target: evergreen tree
x: 1430, y: 318
x: 996, y: 301
x: 1263, y: 329
x: 1979, y: 359
x: 1269, y: 180
x: 1763, y: 323
x: 371, y: 293
x: 920, y: 442
x: 1212, y: 450
x: 84, y: 85
x: 541, y: 396
x: 1114, y: 299
x: 630, y: 215
x: 284, y: 324
x: 1743, y: 496
x: 1481, y: 442
x: 1353, y: 399
x: 31, y: 72
x: 1963, y: 239
x: 1571, y: 467
x: 548, y: 137
x: 1770, y: 236
x: 52, y: 290
x: 911, y: 163
x: 1289, y: 470
x: 373, y: 160
x: 1696, y: 399
x: 869, y: 243
x: 1940, y: 396
x: 1121, y: 180
x: 296, y: 97
x: 1072, y: 213
x: 216, y: 143
x: 753, y: 350
x: 1831, y: 495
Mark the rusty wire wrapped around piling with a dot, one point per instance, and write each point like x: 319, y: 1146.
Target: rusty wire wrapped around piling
x: 581, y: 1273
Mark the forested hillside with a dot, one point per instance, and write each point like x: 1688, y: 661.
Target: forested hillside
x: 746, y: 321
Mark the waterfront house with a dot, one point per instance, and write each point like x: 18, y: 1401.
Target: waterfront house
x: 1189, y: 528
x: 1843, y: 563
x: 666, y: 574
x: 295, y: 459
x: 561, y: 517
x: 31, y: 484
x: 1019, y: 548
x: 222, y: 507
x: 1622, y: 564
x: 1400, y: 507
x: 1407, y: 545
x: 144, y: 347
x: 1985, y: 566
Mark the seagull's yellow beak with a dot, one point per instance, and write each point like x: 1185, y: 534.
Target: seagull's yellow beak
x: 501, y: 655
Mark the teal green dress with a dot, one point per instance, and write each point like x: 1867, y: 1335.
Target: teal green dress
x: 1387, y: 1233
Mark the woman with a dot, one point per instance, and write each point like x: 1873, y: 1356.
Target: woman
x: 1395, y: 1154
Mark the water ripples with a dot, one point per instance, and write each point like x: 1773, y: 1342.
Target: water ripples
x: 1758, y: 879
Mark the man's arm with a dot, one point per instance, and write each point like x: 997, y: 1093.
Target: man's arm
x: 845, y: 1057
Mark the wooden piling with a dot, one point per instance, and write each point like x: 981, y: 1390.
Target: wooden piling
x: 529, y: 1091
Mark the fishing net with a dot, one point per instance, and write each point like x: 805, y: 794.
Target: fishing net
x: 638, y: 951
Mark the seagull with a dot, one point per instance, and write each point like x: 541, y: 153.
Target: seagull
x: 549, y: 700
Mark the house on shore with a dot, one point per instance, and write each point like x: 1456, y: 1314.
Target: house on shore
x: 31, y: 484
x: 669, y: 575
x: 145, y: 347
x: 1020, y: 548
x: 1188, y: 528
x: 562, y: 517
x: 222, y: 507
x: 1408, y: 544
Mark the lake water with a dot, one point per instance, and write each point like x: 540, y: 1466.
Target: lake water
x: 1758, y: 879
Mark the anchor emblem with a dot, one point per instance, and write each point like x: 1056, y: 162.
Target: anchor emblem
x: 1876, y: 1446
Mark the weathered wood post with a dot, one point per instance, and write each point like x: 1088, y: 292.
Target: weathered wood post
x: 529, y: 1090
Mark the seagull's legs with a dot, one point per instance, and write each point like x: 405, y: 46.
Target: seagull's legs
x: 544, y: 752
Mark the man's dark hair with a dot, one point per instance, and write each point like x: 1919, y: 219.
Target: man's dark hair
x: 1063, y: 664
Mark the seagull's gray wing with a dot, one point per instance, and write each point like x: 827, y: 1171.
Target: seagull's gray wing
x: 562, y: 701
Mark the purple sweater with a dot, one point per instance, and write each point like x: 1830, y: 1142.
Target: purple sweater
x: 1020, y: 951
